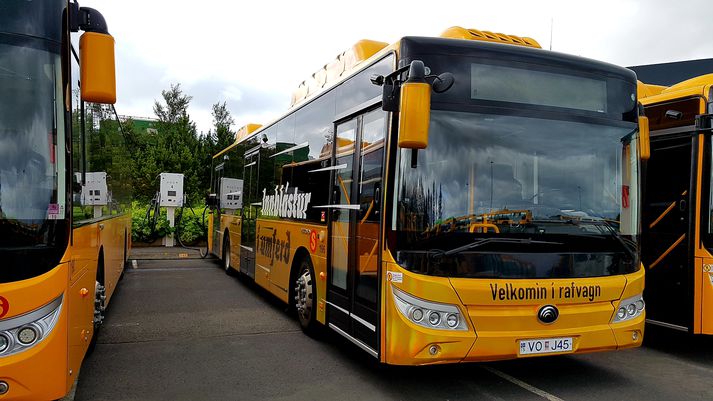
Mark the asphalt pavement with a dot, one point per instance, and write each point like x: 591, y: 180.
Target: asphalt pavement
x: 180, y: 329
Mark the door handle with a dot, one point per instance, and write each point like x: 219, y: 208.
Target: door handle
x: 101, y: 226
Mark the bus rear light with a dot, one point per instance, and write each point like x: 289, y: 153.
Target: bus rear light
x: 629, y: 308
x: 22, y: 332
x: 437, y: 315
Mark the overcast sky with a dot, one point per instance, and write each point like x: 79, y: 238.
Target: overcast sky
x: 253, y: 54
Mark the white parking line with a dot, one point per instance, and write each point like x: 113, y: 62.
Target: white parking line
x: 530, y: 388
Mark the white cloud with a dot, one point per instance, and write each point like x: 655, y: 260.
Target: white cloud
x: 244, y: 49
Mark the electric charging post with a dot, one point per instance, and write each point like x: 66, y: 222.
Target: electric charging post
x: 95, y: 192
x: 171, y: 197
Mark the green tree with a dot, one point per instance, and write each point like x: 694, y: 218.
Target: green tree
x: 222, y: 123
x: 174, y: 148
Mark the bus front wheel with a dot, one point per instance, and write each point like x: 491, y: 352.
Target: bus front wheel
x: 99, y: 309
x: 305, y: 294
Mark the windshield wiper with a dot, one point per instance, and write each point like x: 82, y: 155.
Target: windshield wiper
x: 628, y: 244
x: 483, y: 241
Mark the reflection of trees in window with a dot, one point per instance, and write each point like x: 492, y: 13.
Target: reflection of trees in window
x: 106, y: 151
x: 421, y: 206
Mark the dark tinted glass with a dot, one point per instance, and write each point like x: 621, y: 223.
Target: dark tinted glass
x: 359, y: 88
x: 40, y: 18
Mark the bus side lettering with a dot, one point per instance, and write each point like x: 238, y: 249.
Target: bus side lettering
x: 274, y: 248
x: 284, y: 204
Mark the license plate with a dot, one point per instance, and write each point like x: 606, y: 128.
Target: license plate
x: 546, y: 345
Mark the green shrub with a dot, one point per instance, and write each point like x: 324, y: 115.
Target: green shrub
x: 189, y: 224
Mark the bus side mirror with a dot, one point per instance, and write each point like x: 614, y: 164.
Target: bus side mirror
x: 644, y: 142
x: 415, y: 108
x: 97, y: 68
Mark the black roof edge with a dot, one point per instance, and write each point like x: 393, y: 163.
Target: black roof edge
x: 455, y: 46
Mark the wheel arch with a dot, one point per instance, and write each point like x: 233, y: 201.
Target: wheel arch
x: 100, y: 266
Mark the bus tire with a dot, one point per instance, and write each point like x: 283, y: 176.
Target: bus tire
x: 226, y: 255
x: 125, y: 262
x: 99, y: 304
x: 305, y: 291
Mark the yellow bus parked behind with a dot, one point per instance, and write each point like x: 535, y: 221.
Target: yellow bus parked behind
x: 64, y: 228
x: 678, y: 203
x: 467, y: 197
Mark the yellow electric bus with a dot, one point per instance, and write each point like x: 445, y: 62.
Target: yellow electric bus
x: 677, y: 234
x: 467, y: 197
x: 64, y: 230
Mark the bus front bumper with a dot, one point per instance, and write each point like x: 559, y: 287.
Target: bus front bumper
x: 39, y: 371
x: 418, y: 346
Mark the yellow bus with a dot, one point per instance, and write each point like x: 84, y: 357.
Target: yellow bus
x: 677, y: 240
x: 467, y: 197
x: 64, y: 230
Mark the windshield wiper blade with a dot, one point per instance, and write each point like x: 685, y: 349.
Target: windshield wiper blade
x: 483, y: 241
x: 628, y: 245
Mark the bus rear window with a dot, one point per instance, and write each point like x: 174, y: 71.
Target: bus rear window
x: 518, y: 85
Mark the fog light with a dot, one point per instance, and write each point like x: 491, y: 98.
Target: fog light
x: 434, y: 318
x: 631, y: 309
x: 433, y: 349
x: 621, y: 313
x: 634, y: 335
x: 417, y: 314
x: 27, y: 335
x: 4, y: 342
x: 452, y: 320
x: 4, y: 387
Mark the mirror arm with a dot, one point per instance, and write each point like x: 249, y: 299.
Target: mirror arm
x: 86, y: 19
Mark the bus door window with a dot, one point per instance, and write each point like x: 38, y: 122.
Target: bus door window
x: 369, y: 213
x: 341, y: 198
x: 249, y: 214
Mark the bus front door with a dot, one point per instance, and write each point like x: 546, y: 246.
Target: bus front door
x: 249, y: 212
x: 667, y: 231
x: 355, y: 257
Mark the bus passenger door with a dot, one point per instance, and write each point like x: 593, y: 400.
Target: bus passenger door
x: 667, y: 232
x: 217, y: 229
x: 249, y: 212
x: 355, y: 256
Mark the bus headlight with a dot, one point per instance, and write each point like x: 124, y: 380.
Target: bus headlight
x: 22, y: 332
x: 629, y: 308
x: 429, y: 314
x: 4, y: 343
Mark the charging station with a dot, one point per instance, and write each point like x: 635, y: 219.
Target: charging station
x: 171, y: 197
x: 231, y: 193
x: 95, y: 192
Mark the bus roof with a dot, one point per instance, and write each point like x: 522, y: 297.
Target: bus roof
x: 364, y: 52
x: 698, y: 86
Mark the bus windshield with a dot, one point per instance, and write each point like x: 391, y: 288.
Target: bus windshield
x: 508, y: 196
x: 32, y: 156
